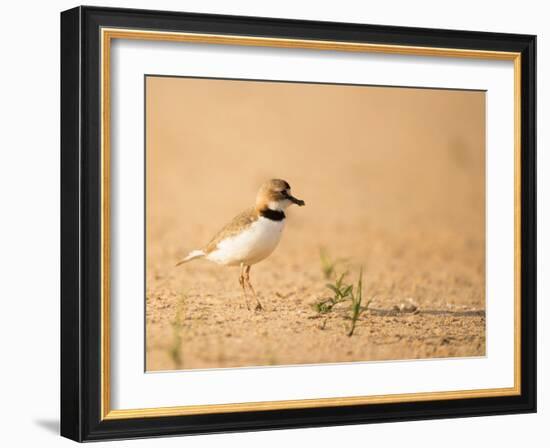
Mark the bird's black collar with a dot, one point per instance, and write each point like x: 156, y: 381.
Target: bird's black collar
x: 274, y: 215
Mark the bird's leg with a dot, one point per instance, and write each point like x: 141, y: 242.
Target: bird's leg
x: 241, y: 282
x: 247, y: 280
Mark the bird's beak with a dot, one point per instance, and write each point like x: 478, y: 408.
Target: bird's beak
x: 296, y: 200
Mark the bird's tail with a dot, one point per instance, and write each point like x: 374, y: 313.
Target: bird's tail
x: 192, y: 255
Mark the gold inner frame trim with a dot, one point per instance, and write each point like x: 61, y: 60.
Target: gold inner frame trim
x: 107, y: 35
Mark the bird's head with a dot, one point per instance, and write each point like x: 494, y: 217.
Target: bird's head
x: 275, y: 195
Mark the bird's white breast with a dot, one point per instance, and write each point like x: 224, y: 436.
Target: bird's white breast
x: 250, y: 246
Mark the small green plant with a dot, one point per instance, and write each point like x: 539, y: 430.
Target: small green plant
x: 342, y: 292
x: 327, y: 265
x: 356, y: 299
x: 177, y: 323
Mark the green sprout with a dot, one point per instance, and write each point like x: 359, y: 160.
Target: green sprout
x: 356, y: 308
x: 327, y: 265
x: 341, y: 292
x: 175, y: 349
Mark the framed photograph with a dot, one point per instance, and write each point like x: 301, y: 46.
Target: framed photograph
x: 273, y: 223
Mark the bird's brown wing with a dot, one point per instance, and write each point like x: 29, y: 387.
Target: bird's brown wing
x: 243, y: 219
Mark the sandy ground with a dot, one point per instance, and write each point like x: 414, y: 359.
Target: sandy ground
x: 393, y: 181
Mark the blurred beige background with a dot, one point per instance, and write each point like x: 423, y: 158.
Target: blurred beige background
x: 393, y: 180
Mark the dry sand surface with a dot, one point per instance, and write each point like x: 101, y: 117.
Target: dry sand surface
x: 393, y: 181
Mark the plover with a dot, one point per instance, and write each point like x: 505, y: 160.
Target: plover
x: 252, y: 235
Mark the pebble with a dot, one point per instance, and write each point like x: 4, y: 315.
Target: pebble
x: 406, y: 307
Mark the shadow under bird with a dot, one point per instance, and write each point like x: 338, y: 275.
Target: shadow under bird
x: 252, y: 235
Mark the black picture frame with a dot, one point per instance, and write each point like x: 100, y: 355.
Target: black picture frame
x: 81, y: 209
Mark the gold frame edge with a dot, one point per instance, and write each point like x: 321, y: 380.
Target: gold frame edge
x: 107, y: 34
